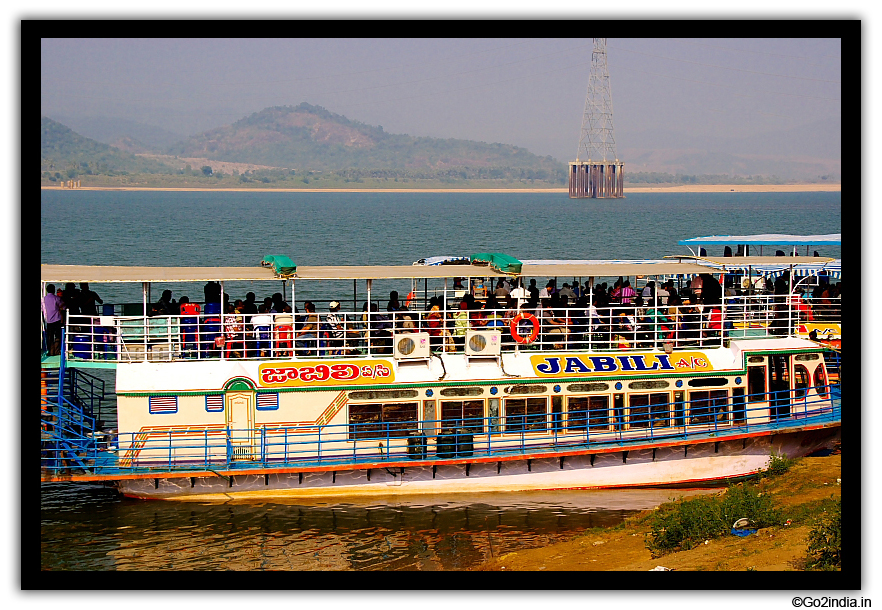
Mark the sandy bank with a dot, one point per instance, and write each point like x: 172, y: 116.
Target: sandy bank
x: 808, y: 482
x: 699, y: 188
x: 738, y: 188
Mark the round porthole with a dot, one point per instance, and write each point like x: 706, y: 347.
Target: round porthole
x: 618, y: 385
x: 679, y: 383
x: 429, y: 392
x: 557, y: 388
x: 738, y: 381
x: 493, y: 391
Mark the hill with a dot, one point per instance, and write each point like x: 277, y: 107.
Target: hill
x: 65, y: 154
x: 309, y: 137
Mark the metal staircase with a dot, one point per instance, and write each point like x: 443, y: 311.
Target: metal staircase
x: 69, y: 430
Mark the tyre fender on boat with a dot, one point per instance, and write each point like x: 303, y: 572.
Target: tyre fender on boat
x: 513, y: 328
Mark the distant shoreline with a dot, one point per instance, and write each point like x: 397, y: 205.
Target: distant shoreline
x: 692, y: 188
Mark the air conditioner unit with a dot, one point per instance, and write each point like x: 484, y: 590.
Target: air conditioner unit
x: 411, y: 346
x: 483, y: 343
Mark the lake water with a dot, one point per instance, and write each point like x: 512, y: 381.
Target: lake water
x: 91, y: 528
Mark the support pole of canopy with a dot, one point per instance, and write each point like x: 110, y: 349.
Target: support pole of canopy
x: 145, y: 289
x: 657, y: 316
x: 370, y: 315
x: 223, y: 319
x: 723, y: 311
x: 790, y: 300
x: 354, y: 295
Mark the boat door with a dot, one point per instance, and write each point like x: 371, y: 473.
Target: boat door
x: 779, y: 386
x: 757, y: 390
x: 239, y: 414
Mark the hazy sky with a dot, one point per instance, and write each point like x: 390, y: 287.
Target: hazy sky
x: 522, y: 91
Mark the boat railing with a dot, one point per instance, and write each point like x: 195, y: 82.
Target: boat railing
x: 622, y: 326
x: 542, y: 434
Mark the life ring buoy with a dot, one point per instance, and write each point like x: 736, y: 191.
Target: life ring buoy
x: 513, y: 328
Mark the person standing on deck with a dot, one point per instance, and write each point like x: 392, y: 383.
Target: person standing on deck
x: 52, y: 308
x: 88, y: 300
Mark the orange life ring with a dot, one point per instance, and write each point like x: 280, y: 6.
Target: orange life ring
x: 513, y: 328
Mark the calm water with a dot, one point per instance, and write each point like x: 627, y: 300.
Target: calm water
x: 91, y: 528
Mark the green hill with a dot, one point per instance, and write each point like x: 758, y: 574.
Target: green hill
x: 309, y: 137
x: 65, y: 154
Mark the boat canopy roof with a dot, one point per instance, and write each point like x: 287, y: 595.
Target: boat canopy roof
x: 107, y: 274
x: 767, y: 239
x: 774, y: 265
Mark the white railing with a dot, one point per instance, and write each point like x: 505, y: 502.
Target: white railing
x: 285, y: 335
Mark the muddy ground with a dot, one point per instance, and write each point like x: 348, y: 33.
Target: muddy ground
x: 798, y: 493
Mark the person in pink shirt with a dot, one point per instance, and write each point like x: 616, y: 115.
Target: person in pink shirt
x: 52, y: 308
x: 627, y: 293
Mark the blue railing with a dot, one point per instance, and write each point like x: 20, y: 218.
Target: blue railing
x: 436, y: 440
x: 86, y: 391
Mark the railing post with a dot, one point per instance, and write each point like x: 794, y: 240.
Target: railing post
x: 263, y: 445
x: 229, y: 447
x: 523, y: 430
x: 319, y: 443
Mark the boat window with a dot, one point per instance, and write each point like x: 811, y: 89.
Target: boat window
x: 526, y: 389
x: 463, y: 391
x: 382, y: 394
x: 463, y: 414
x: 800, y: 380
x: 375, y: 420
x: 649, y: 385
x: 525, y: 414
x: 756, y: 359
x: 806, y: 357
x: 821, y: 380
x: 588, y: 387
x: 707, y: 382
x: 592, y: 411
x: 705, y: 405
x: 756, y: 384
x: 644, y: 408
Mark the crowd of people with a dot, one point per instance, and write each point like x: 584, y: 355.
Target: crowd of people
x: 572, y: 316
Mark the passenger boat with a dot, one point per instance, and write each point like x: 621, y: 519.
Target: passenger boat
x: 449, y: 394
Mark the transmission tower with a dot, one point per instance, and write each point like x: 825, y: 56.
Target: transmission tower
x: 597, y: 171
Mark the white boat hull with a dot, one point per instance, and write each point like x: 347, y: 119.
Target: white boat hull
x: 683, y: 465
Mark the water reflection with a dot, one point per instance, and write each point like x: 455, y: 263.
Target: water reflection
x: 92, y: 528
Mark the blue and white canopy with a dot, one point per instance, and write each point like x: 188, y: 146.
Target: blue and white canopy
x: 767, y: 239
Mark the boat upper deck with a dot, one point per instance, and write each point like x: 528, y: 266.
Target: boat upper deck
x: 697, y: 314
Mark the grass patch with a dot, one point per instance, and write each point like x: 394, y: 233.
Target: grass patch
x: 686, y: 523
x: 778, y: 465
x: 825, y: 540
